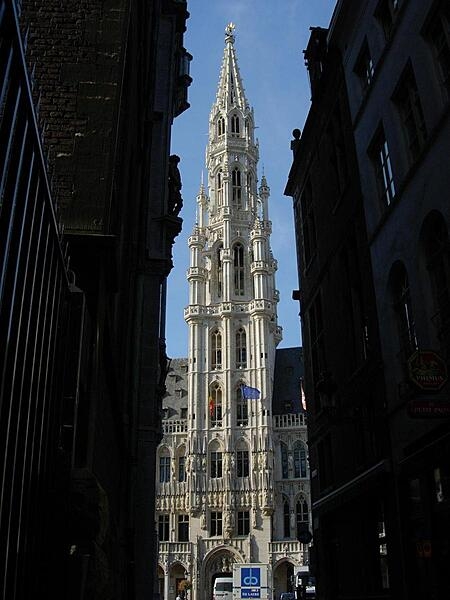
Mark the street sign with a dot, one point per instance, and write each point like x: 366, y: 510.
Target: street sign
x: 427, y: 370
x: 250, y: 581
x: 428, y: 407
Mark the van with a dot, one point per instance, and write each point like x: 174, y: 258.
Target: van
x: 223, y: 588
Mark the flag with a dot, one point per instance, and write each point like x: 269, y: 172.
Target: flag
x: 303, y: 394
x: 211, y: 406
x: 250, y: 393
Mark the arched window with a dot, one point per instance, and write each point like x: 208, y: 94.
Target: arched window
x: 235, y: 125
x: 241, y: 408
x: 249, y: 187
x: 215, y: 406
x: 242, y: 460
x: 236, y: 187
x: 436, y: 250
x: 284, y: 461
x: 216, y: 349
x: 219, y: 271
x: 164, y: 465
x: 286, y: 518
x: 401, y: 300
x: 219, y: 186
x: 238, y: 261
x: 215, y: 461
x: 181, y: 464
x: 241, y: 348
x: 301, y: 513
x: 299, y: 460
x: 220, y: 126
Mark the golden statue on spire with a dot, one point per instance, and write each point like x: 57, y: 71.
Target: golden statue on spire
x: 229, y: 32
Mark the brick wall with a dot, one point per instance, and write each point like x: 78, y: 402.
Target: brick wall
x: 75, y: 50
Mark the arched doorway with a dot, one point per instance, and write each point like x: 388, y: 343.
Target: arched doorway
x: 218, y: 563
x: 283, y: 578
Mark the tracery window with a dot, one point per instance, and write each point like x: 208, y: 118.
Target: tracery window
x: 183, y: 528
x: 242, y: 461
x: 220, y: 126
x: 219, y: 272
x: 236, y: 187
x: 241, y: 348
x: 216, y: 349
x: 302, y: 516
x: 215, y: 406
x: 215, y: 464
x: 235, y: 125
x: 249, y: 187
x: 241, y: 408
x: 238, y: 262
x: 219, y: 185
x: 299, y: 460
x: 284, y: 461
x: 286, y: 519
x: 164, y: 465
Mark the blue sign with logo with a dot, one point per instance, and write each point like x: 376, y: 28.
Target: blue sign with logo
x: 251, y: 582
x: 251, y: 577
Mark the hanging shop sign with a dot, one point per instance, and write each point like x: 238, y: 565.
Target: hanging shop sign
x: 429, y: 408
x: 427, y: 370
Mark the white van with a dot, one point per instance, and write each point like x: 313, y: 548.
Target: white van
x: 223, y: 588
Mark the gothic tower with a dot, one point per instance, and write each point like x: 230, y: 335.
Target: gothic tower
x: 233, y: 472
x: 233, y: 330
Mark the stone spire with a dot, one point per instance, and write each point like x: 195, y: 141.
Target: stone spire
x: 230, y: 92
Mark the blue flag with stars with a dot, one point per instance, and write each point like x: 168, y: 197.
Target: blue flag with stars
x: 250, y: 393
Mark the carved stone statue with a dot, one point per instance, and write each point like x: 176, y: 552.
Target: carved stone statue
x: 174, y: 180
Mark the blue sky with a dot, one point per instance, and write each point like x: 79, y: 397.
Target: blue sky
x: 270, y: 38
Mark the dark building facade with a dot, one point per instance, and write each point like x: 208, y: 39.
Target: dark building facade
x: 90, y: 201
x: 370, y: 192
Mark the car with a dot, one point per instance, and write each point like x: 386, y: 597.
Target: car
x: 287, y: 596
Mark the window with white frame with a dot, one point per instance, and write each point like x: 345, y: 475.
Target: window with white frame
x: 243, y: 522
x: 163, y: 528
x: 164, y: 466
x: 215, y: 459
x: 215, y: 523
x: 380, y: 156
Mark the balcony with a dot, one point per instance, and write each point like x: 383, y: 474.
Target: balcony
x: 174, y: 426
x: 289, y: 421
x: 175, y: 551
x: 288, y: 548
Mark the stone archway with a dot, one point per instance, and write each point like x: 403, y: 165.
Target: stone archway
x: 282, y: 577
x: 219, y: 562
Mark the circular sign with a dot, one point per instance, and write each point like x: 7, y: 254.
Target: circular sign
x: 305, y: 536
x: 427, y: 370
